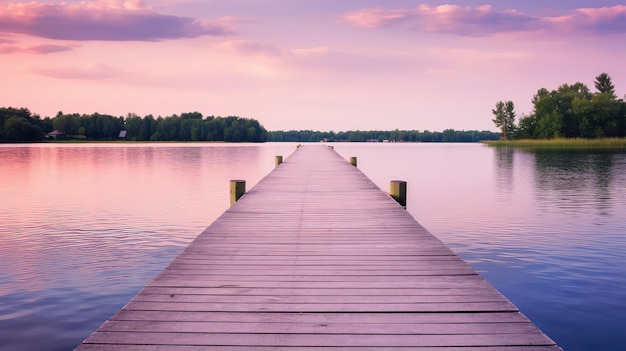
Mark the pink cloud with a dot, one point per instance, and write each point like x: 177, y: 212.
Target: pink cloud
x: 252, y: 48
x: 462, y: 20
x: 378, y: 18
x: 605, y: 20
x: 6, y: 47
x: 246, y: 47
x: 115, y: 20
x: 90, y: 71
x: 485, y: 20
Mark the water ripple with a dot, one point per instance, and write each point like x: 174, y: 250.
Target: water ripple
x: 83, y: 228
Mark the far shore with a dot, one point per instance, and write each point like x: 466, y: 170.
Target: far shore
x: 561, y: 143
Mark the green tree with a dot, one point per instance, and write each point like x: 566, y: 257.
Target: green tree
x: 568, y: 99
x: 65, y: 123
x: 604, y: 115
x: 132, y: 124
x: 504, y: 117
x: 19, y: 125
x: 605, y: 85
x: 549, y: 125
x: 147, y: 129
x: 527, y: 127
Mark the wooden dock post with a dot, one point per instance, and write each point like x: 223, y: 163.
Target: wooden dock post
x: 237, y: 189
x: 397, y: 190
x: 353, y: 161
x: 278, y: 160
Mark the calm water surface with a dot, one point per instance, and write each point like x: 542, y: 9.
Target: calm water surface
x: 84, y: 227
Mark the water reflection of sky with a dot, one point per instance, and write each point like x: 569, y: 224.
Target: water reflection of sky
x: 83, y: 227
x: 547, y: 228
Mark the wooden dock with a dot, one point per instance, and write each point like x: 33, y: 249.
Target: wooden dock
x: 315, y: 256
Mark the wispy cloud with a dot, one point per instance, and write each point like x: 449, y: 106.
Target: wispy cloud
x: 250, y: 48
x: 455, y: 19
x: 485, y: 20
x: 89, y: 71
x: 115, y: 20
x: 7, y: 47
x: 604, y: 20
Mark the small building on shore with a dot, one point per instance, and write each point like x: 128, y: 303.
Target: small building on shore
x: 55, y: 134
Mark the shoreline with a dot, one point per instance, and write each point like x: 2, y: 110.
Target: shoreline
x: 561, y: 143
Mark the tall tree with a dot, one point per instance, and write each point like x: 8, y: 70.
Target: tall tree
x: 509, y: 114
x: 504, y: 117
x: 569, y: 101
x: 604, y: 84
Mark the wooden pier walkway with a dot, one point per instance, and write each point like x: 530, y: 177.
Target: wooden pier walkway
x: 315, y: 256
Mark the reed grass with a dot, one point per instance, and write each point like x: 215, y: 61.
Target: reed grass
x: 562, y: 143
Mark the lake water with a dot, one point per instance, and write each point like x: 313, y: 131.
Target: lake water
x: 83, y: 227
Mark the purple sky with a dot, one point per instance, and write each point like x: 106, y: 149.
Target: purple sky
x: 325, y: 65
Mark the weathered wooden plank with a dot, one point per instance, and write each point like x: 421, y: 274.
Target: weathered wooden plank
x: 423, y: 282
x: 150, y: 290
x: 396, y: 260
x: 493, y: 306
x: 435, y: 270
x: 235, y: 264
x: 321, y: 249
x: 363, y: 265
x: 306, y: 271
x: 321, y: 299
x: 127, y: 347
x: 318, y: 328
x: 324, y: 318
x: 316, y: 256
x: 317, y: 340
x: 406, y: 281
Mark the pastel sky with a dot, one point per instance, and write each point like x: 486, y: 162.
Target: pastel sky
x: 305, y: 64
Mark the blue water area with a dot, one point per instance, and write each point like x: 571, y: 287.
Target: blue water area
x: 546, y: 228
x: 84, y: 227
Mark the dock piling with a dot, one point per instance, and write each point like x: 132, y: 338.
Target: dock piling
x: 397, y: 190
x: 237, y: 190
x: 278, y: 160
x: 353, y: 161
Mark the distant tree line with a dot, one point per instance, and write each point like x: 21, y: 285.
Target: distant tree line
x: 95, y: 126
x: 194, y: 127
x: 570, y: 111
x: 448, y: 135
x: 19, y: 125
